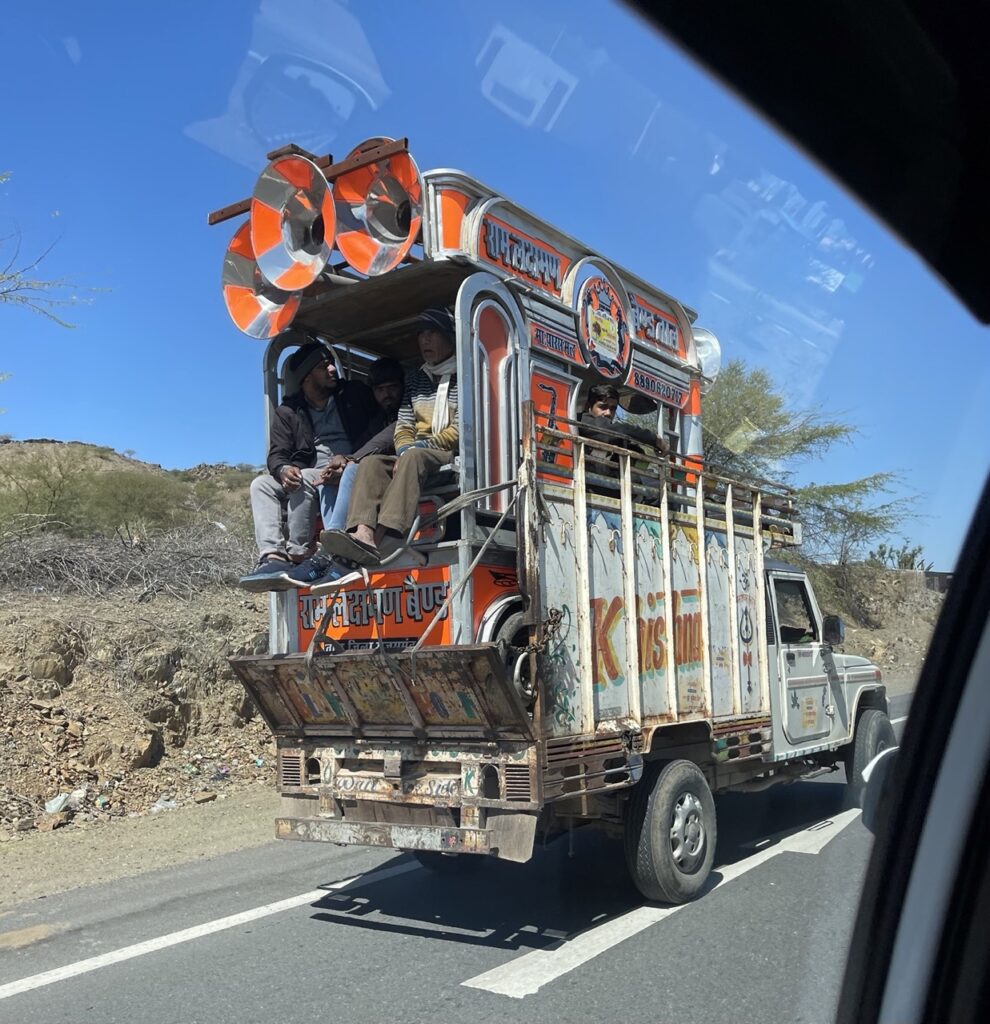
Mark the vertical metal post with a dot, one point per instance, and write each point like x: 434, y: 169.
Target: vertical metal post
x: 706, y: 661
x: 668, y: 603
x: 761, y: 604
x: 528, y: 529
x: 730, y: 550
x: 583, y: 588
x: 633, y: 681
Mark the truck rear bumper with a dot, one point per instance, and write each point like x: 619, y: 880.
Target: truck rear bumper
x: 509, y: 837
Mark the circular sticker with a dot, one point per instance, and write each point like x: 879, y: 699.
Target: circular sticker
x: 603, y: 329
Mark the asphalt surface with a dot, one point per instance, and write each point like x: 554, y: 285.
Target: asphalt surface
x: 563, y: 938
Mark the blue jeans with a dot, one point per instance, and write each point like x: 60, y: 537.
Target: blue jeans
x: 335, y: 499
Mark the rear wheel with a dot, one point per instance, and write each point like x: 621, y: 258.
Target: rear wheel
x: 449, y: 863
x: 874, y: 734
x: 513, y: 635
x: 670, y: 832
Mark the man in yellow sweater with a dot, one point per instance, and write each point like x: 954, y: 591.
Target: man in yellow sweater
x: 387, y: 489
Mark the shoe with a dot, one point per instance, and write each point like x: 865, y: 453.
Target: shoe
x: 268, y: 574
x: 337, y: 576
x: 318, y: 570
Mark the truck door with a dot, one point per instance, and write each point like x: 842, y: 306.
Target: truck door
x: 806, y: 698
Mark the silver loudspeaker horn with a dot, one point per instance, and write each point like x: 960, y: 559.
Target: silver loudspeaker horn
x: 258, y: 308
x: 379, y: 210
x: 292, y: 222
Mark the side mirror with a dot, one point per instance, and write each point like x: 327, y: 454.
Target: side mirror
x: 834, y: 629
x: 875, y: 776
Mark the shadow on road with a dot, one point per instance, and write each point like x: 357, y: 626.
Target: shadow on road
x: 553, y: 897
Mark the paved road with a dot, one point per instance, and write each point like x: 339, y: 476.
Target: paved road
x: 302, y: 932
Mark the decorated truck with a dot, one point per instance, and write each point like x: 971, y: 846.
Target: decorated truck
x: 577, y: 631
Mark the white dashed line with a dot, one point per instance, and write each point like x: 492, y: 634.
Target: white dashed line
x: 528, y: 973
x: 117, y: 956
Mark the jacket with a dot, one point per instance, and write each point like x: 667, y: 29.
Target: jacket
x: 381, y: 443
x: 415, y: 423
x: 292, y: 442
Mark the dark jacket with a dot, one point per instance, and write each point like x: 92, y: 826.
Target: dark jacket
x: 619, y: 434
x: 292, y: 441
x: 383, y: 442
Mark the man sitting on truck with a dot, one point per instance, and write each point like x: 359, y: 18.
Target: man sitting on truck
x: 387, y: 489
x: 386, y: 379
x: 320, y: 417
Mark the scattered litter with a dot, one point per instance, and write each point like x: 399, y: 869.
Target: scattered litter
x: 57, y: 803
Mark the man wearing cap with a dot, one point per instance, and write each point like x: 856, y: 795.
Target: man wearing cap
x: 387, y: 489
x: 320, y: 417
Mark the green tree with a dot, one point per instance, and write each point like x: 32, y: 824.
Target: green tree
x: 749, y: 431
x: 903, y: 557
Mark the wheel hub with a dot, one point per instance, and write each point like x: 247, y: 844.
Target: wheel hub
x: 687, y: 832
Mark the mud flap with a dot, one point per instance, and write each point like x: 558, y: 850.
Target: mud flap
x: 460, y: 692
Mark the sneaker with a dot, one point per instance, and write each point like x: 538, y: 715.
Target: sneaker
x: 338, y: 576
x: 309, y: 570
x: 268, y: 574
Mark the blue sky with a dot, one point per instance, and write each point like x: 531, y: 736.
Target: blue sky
x: 130, y: 121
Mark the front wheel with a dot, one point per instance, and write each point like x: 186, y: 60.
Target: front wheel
x: 670, y: 832
x: 874, y: 734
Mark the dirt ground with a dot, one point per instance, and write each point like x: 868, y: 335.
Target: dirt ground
x: 42, y: 864
x: 126, y: 743
x: 111, y: 709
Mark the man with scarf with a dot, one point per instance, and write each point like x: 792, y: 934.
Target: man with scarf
x: 387, y: 489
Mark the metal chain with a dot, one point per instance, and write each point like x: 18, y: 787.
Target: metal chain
x: 551, y: 627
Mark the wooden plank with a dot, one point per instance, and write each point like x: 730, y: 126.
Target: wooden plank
x: 293, y: 150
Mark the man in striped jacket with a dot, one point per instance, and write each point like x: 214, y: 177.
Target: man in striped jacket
x: 387, y: 489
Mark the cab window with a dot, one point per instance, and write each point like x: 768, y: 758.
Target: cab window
x: 794, y: 614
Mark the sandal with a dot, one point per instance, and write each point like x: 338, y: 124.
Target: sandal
x: 346, y: 545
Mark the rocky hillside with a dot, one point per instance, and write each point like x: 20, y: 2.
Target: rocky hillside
x: 115, y: 709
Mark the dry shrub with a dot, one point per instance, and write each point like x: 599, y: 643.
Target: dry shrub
x: 178, y: 563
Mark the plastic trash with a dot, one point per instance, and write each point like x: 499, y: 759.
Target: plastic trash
x: 57, y: 803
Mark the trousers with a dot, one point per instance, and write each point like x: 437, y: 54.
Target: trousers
x: 383, y: 498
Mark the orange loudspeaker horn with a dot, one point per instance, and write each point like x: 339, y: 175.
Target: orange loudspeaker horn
x: 257, y: 307
x: 292, y: 222
x: 379, y: 210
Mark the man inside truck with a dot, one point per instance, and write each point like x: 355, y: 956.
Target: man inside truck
x: 597, y: 423
x: 321, y: 416
x: 387, y: 488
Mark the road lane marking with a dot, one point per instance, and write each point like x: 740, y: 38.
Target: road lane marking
x: 117, y: 956
x: 527, y: 974
x: 903, y: 718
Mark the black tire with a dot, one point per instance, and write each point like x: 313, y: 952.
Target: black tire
x: 670, y: 832
x: 514, y: 634
x: 449, y: 864
x: 873, y: 735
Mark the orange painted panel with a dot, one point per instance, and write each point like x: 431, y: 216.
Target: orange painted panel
x: 397, y: 608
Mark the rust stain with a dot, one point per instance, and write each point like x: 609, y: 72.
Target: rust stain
x: 26, y: 936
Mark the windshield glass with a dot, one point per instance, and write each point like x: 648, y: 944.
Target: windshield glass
x: 839, y: 386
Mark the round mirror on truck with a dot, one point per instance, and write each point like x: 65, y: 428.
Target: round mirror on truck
x: 709, y: 356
